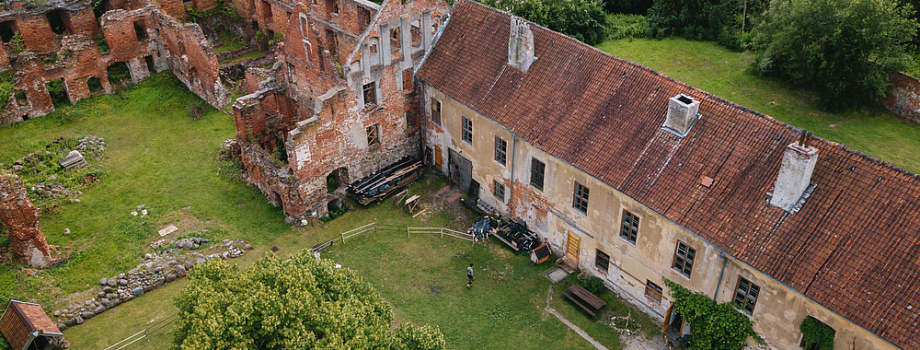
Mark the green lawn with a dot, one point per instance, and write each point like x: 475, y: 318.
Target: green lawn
x: 724, y: 73
x: 156, y: 155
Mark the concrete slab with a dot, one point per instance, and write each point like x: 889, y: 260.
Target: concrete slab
x: 556, y: 275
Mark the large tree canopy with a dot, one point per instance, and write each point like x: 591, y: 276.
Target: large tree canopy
x: 300, y: 303
x: 584, y: 20
x: 844, y: 49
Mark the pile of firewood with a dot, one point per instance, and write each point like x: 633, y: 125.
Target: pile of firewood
x: 385, y: 182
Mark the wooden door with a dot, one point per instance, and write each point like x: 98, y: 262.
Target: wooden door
x: 571, y: 248
x: 437, y: 157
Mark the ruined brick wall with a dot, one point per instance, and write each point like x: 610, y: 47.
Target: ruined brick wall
x: 20, y: 218
x: 134, y: 33
x: 904, y: 99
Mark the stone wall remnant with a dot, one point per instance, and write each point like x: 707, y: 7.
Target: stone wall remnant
x: 20, y: 218
x: 904, y: 98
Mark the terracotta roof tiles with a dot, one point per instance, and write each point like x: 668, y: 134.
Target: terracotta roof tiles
x: 854, y: 245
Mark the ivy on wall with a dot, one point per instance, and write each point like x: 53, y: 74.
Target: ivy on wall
x: 713, y: 326
x: 816, y: 334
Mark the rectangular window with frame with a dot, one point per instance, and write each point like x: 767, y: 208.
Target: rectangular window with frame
x: 746, y: 294
x: 467, y: 132
x: 580, y: 200
x: 683, y: 259
x: 601, y: 260
x: 370, y: 93
x: 537, y: 168
x: 436, y: 111
x: 373, y: 135
x: 629, y: 229
x: 501, y: 150
x: 499, y: 190
x: 653, y: 291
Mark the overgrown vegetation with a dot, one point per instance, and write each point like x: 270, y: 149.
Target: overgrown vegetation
x: 843, y: 49
x: 333, y: 215
x: 625, y: 26
x: 593, y: 284
x: 584, y: 20
x: 816, y: 334
x: 727, y: 21
x: 58, y: 92
x: 714, y: 326
x: 18, y: 45
x: 6, y: 87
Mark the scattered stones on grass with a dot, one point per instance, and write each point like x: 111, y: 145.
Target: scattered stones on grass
x: 157, y: 269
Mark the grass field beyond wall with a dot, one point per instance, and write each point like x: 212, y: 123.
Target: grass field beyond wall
x: 724, y: 73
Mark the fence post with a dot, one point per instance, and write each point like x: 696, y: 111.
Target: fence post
x: 343, y: 238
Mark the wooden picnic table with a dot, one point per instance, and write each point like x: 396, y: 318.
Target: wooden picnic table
x: 584, y: 299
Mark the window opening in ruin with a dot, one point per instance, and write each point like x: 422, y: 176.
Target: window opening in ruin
x: 94, y: 84
x: 501, y: 151
x: 57, y: 19
x: 601, y: 260
x: 415, y: 30
x: 150, y: 66
x: 303, y: 26
x: 410, y: 119
x: 580, y: 198
x: 7, y: 30
x: 536, y: 174
x: 118, y: 72
x: 683, y: 259
x: 395, y: 39
x: 435, y: 111
x: 372, y: 46
x: 330, y: 42
x: 101, y: 44
x: 370, y: 94
x: 653, y: 291
x: 58, y: 92
x: 746, y: 295
x: 466, y: 130
x: 364, y: 16
x: 499, y: 190
x: 336, y: 179
x: 267, y: 12
x: 335, y: 7
x: 373, y: 135
x: 629, y: 228
x: 140, y: 32
x: 434, y: 25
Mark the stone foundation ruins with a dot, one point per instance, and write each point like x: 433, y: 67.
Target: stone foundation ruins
x: 83, y: 48
x: 20, y: 220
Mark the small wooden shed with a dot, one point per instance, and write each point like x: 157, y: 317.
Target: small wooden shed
x: 27, y: 327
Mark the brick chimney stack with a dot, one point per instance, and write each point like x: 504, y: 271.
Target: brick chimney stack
x: 795, y: 173
x: 520, y: 45
x: 682, y: 113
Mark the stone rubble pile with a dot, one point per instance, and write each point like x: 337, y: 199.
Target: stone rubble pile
x: 156, y: 270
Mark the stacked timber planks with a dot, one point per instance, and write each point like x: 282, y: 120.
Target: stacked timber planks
x: 381, y: 184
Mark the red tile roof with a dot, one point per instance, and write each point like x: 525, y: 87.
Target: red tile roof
x: 21, y: 319
x: 854, y: 246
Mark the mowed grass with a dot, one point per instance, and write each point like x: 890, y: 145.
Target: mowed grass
x: 156, y: 155
x: 724, y: 73
x: 423, y: 277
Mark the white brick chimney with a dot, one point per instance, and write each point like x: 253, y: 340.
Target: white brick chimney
x: 795, y: 173
x: 682, y: 113
x: 520, y: 45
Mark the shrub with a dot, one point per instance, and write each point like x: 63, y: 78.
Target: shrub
x: 195, y: 111
x: 627, y: 27
x: 593, y: 284
x: 815, y: 332
x: 714, y: 326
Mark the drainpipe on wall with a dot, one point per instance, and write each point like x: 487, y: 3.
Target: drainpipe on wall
x: 722, y: 271
x: 513, y: 154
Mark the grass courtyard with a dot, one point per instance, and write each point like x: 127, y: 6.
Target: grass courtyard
x: 157, y: 155
x: 724, y: 73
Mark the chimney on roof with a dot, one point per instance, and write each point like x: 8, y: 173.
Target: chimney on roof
x: 682, y: 113
x: 795, y: 173
x: 520, y: 44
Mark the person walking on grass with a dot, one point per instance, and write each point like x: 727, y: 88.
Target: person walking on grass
x: 469, y: 274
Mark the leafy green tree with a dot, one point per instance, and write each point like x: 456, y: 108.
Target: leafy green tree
x: 300, y: 303
x: 584, y: 20
x: 724, y: 20
x: 844, y: 49
x: 713, y: 326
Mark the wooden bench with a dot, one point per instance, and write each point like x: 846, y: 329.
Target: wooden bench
x: 584, y: 299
